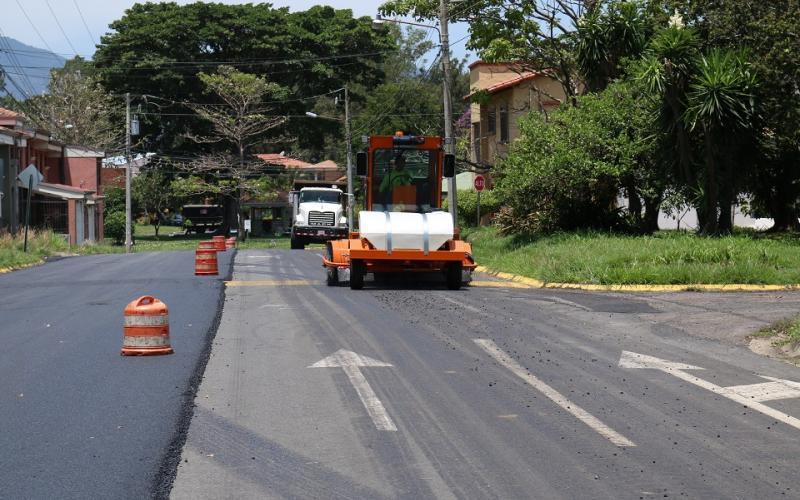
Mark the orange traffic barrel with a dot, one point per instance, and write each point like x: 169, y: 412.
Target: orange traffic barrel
x: 219, y: 241
x: 207, y: 245
x: 146, y: 328
x: 205, y: 262
x: 230, y: 242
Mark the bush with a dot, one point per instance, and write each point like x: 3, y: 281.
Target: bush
x: 114, y: 226
x: 566, y: 171
x: 468, y: 204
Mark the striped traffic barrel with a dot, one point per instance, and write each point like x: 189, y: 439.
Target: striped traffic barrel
x: 207, y: 245
x: 205, y: 262
x: 230, y: 242
x: 219, y: 242
x: 146, y: 328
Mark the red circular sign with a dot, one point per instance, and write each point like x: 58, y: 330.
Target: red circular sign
x: 480, y: 182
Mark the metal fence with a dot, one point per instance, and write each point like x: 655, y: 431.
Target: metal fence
x: 48, y: 214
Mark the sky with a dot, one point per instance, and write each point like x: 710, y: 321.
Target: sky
x: 76, y: 36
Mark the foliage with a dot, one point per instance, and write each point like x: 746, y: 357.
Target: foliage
x: 468, y: 205
x: 566, y: 173
x: 153, y: 192
x: 411, y: 97
x: 114, y: 226
x: 77, y: 110
x: 114, y: 199
x: 609, y: 35
x: 666, y: 257
x: 158, y: 48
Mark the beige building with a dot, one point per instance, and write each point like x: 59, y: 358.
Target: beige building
x: 505, y: 93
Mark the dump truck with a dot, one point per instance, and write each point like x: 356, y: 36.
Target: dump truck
x: 201, y: 218
x: 317, y: 216
x: 402, y: 228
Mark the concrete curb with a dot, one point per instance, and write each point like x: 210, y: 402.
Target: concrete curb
x: 4, y: 270
x: 534, y: 283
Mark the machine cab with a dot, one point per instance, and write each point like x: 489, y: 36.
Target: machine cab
x: 404, y: 173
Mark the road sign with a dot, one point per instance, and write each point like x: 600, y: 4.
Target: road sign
x: 480, y: 183
x: 350, y: 362
x: 30, y: 177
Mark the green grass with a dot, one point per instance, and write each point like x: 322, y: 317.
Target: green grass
x: 786, y: 329
x: 667, y: 257
x: 42, y: 244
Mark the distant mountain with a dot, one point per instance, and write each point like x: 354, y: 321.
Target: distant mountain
x: 27, y: 68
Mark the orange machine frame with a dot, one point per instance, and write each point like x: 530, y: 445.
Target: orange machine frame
x: 341, y: 252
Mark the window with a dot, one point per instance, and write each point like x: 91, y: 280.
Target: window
x: 503, y: 124
x: 491, y: 121
x: 404, y: 180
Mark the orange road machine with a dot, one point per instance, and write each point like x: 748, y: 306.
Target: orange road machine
x: 402, y: 227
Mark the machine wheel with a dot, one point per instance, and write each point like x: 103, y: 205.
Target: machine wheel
x: 453, y: 276
x: 297, y: 244
x: 357, y: 272
x: 332, y: 277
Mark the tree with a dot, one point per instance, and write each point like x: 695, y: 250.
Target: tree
x: 77, y: 110
x: 153, y: 192
x: 566, y: 172
x: 157, y: 49
x: 241, y: 118
x: 539, y: 34
x: 768, y: 31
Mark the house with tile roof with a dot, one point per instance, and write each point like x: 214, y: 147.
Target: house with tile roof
x: 501, y: 94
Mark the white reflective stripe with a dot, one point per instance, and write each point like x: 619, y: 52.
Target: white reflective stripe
x: 149, y: 341
x: 426, y: 239
x: 147, y: 320
x: 388, y: 233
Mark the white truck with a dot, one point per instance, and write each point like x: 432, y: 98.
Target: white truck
x: 317, y: 216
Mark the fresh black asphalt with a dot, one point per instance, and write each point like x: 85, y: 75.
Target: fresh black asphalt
x: 269, y: 426
x: 77, y: 420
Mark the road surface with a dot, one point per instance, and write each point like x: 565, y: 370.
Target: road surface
x: 406, y: 391
x: 77, y: 420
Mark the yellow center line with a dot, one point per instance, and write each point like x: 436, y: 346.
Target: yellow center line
x: 270, y: 283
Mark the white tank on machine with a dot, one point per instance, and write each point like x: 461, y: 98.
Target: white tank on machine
x: 406, y: 231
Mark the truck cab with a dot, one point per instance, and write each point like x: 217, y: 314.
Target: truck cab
x: 318, y: 216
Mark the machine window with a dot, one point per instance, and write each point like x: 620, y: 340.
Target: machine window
x: 404, y: 180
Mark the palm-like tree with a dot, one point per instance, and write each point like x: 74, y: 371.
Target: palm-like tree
x: 720, y: 106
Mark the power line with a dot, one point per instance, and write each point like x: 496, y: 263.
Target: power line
x: 91, y: 37
x: 36, y: 30
x: 50, y: 8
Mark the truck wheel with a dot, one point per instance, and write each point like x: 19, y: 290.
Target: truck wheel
x: 297, y: 244
x: 357, y: 272
x: 453, y: 276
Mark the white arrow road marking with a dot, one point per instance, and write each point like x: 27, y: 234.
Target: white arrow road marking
x: 747, y: 395
x: 350, y: 362
x: 587, y: 418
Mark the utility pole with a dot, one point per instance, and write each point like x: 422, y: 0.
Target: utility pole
x: 449, y: 145
x: 128, y: 239
x: 349, y: 138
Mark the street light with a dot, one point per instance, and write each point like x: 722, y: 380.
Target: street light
x: 350, y: 196
x: 444, y: 41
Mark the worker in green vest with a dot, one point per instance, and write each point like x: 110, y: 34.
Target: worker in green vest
x: 397, y: 176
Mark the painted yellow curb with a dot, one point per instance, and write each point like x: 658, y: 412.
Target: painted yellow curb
x: 4, y: 270
x: 534, y: 283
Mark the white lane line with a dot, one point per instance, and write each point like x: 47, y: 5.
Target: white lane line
x: 351, y: 362
x: 587, y: 418
x: 746, y: 395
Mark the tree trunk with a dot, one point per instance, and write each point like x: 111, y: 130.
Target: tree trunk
x: 651, y: 208
x: 711, y: 196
